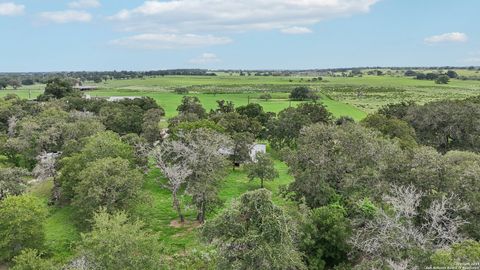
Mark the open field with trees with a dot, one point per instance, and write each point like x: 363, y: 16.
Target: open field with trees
x: 371, y: 172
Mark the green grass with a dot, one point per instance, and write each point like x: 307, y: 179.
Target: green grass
x: 155, y: 209
x: 170, y: 101
x: 339, y: 94
x: 61, y: 234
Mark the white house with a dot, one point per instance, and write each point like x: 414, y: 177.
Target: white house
x: 254, y: 149
x: 257, y: 148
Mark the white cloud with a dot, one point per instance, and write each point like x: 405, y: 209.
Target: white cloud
x: 236, y: 15
x: 84, y: 4
x: 205, y: 58
x: 296, y: 30
x: 447, y: 37
x: 66, y: 16
x: 170, y: 41
x: 472, y: 60
x: 11, y: 9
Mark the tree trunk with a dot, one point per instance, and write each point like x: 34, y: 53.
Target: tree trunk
x: 261, y: 182
x: 56, y: 192
x: 176, y: 205
x: 201, y: 213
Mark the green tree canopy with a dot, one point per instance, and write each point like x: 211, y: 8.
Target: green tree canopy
x: 21, y: 225
x: 254, y: 233
x: 110, y: 183
x: 262, y: 168
x: 115, y: 242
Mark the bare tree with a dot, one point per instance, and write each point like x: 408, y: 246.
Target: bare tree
x: 12, y: 125
x: 46, y: 166
x: 391, y: 233
x: 208, y: 167
x: 173, y: 158
x: 442, y: 222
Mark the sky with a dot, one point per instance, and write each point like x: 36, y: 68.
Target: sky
x: 77, y: 35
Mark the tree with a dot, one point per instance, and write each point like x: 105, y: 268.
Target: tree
x: 452, y: 74
x: 99, y: 146
x: 225, y: 106
x: 397, y: 110
x: 13, y: 181
x: 410, y: 73
x: 447, y: 125
x: 208, y: 168
x: 234, y: 122
x: 400, y: 235
x: 242, y: 145
x: 466, y: 253
x: 432, y: 76
x: 254, y: 233
x: 14, y: 83
x: 21, y: 225
x: 349, y: 160
x: 151, y: 125
x: 173, y: 158
x: 325, y: 237
x: 265, y: 97
x: 3, y: 83
x: 392, y: 128
x: 46, y: 166
x: 192, y: 105
x: 31, y: 259
x: 109, y: 183
x: 115, y: 242
x: 262, y: 168
x: 121, y: 118
x: 316, y: 112
x: 255, y: 111
x: 300, y: 93
x: 442, y: 79
x: 285, y: 129
x: 58, y: 88
x: 181, y: 90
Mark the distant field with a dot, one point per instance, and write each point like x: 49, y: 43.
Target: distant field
x: 352, y: 96
x: 169, y: 101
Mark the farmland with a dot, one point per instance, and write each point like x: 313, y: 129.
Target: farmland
x: 344, y: 96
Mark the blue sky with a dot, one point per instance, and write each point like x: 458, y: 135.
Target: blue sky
x: 57, y: 35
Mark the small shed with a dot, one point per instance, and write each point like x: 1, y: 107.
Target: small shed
x: 257, y: 148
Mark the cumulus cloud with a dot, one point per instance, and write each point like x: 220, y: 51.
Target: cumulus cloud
x: 11, y: 9
x: 447, y: 37
x: 170, y: 41
x: 66, y: 16
x: 237, y: 15
x: 205, y: 58
x: 295, y: 30
x: 207, y: 17
x: 84, y: 4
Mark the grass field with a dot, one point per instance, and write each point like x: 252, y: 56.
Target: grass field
x: 352, y: 96
x: 155, y: 210
x: 169, y: 101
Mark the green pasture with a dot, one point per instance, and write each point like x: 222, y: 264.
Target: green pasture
x: 170, y: 101
x: 352, y: 96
